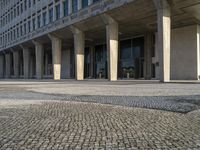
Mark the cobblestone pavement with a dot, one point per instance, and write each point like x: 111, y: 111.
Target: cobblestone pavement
x: 35, y: 117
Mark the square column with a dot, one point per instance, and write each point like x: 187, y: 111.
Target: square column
x: 79, y: 47
x: 79, y: 4
x: 112, y: 48
x: 26, y: 58
x: 90, y: 2
x: 1, y: 66
x: 164, y: 38
x: 8, y: 65
x: 16, y: 63
x: 39, y: 55
x: 56, y: 56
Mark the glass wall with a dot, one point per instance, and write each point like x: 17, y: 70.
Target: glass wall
x: 131, y: 60
x: 100, y: 61
x: 131, y: 63
x: 87, y: 63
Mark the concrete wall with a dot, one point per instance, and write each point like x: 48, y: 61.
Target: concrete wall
x: 184, y: 53
x: 198, y: 47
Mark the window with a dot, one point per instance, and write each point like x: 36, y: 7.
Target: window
x: 74, y: 6
x: 25, y: 5
x: 65, y: 7
x: 29, y: 26
x: 29, y: 3
x: 33, y: 23
x: 24, y: 28
x: 39, y: 21
x: 57, y: 11
x: 44, y: 17
x: 51, y: 15
x: 84, y: 3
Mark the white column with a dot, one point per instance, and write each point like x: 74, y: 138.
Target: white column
x: 164, y: 37
x: 56, y: 56
x: 112, y: 48
x: 16, y: 63
x: 69, y: 6
x: 148, y: 55
x: 1, y: 66
x: 79, y: 4
x: 79, y: 46
x: 39, y: 54
x: 26, y: 58
x: 8, y: 65
x: 90, y: 2
x: 61, y: 9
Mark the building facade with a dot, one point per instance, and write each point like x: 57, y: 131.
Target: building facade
x: 111, y: 39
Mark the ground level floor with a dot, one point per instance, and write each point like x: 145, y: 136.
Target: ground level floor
x: 99, y: 115
x: 137, y: 58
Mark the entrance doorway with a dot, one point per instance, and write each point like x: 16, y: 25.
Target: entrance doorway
x: 131, y: 65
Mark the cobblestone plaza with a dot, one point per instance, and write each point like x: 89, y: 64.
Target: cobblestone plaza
x: 114, y: 115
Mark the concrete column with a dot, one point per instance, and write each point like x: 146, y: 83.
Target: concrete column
x: 164, y: 37
x: 79, y: 46
x: 90, y: 2
x: 112, y: 48
x: 148, y: 55
x: 68, y: 63
x: 39, y: 54
x: 8, y: 65
x: 16, y: 63
x: 79, y: 4
x: 56, y: 56
x: 26, y: 58
x: 61, y: 9
x: 69, y: 6
x: 1, y: 66
x: 91, y: 61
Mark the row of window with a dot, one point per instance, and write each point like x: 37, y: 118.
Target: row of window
x: 15, y: 11
x: 40, y: 19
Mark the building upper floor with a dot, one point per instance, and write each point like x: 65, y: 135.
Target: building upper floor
x: 19, y: 18
x: 24, y: 20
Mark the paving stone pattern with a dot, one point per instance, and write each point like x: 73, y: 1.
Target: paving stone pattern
x: 37, y: 120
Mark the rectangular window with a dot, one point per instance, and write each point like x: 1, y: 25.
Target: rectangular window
x: 57, y: 11
x: 74, y: 6
x: 25, y: 5
x: 84, y: 3
x: 44, y: 16
x: 65, y: 7
x: 39, y: 21
x: 29, y: 26
x: 24, y: 28
x: 51, y: 15
x: 33, y: 23
x: 29, y: 3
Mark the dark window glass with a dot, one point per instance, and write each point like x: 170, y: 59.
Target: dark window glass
x: 84, y: 3
x: 65, y: 5
x: 74, y: 6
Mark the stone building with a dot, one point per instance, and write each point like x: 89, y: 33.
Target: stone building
x: 112, y: 39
